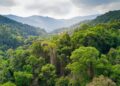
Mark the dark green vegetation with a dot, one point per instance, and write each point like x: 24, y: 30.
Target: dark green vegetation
x: 108, y: 17
x: 88, y: 57
x: 13, y: 34
x: 23, y: 29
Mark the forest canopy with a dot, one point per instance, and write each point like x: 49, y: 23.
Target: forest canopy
x: 84, y: 58
x: 89, y: 56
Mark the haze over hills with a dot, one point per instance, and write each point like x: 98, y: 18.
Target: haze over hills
x: 110, y: 16
x: 48, y: 23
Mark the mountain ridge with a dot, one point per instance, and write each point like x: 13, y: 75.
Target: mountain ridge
x: 49, y: 23
x: 103, y: 18
x: 107, y: 17
x: 23, y: 29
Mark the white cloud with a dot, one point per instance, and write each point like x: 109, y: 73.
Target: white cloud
x: 57, y: 8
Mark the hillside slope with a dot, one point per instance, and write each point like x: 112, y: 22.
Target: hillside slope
x: 23, y: 29
x: 107, y: 17
x: 110, y: 16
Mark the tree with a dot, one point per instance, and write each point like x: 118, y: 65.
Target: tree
x: 50, y: 48
x: 103, y: 66
x: 18, y: 59
x: 102, y: 37
x: 23, y: 78
x: 115, y: 72
x: 5, y: 73
x: 37, y: 49
x: 114, y: 56
x: 8, y: 84
x: 62, y: 81
x: 34, y: 65
x: 64, y: 50
x: 101, y: 81
x: 83, y: 63
x: 48, y: 75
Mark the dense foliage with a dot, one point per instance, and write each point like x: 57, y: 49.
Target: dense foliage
x: 9, y: 38
x: 107, y: 17
x: 23, y: 29
x: 13, y: 34
x: 88, y: 57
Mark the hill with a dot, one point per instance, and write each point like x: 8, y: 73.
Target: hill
x: 23, y: 29
x: 13, y: 34
x: 107, y: 17
x: 49, y: 23
x: 110, y: 16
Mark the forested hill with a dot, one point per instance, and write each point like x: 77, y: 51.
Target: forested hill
x: 107, y: 17
x: 13, y: 34
x: 23, y: 29
x: 49, y: 23
x: 110, y: 16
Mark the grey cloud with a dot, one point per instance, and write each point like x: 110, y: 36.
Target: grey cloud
x: 92, y: 3
x: 7, y: 3
x: 58, y: 8
x: 61, y: 8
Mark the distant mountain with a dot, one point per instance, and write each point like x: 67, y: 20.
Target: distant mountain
x: 23, y: 29
x: 104, y: 18
x: 69, y: 29
x: 50, y: 24
x: 107, y: 17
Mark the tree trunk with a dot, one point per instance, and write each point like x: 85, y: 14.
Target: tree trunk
x: 53, y: 56
x: 90, y: 70
x: 35, y: 82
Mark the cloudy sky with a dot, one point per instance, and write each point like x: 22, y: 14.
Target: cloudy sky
x: 57, y: 8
